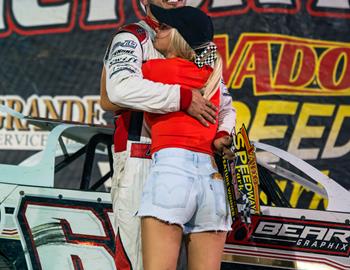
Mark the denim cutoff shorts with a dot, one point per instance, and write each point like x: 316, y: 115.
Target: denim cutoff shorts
x: 183, y: 189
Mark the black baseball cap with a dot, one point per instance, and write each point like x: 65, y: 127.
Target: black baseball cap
x: 194, y: 25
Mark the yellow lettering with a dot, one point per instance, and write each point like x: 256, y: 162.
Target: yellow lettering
x: 12, y: 122
x: 259, y: 130
x: 51, y: 111
x: 330, y: 150
x: 243, y: 114
x: 73, y: 105
x: 242, y: 156
x: 238, y: 141
x: 303, y: 130
x: 92, y: 113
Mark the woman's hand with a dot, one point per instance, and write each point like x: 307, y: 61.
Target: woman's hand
x: 222, y: 146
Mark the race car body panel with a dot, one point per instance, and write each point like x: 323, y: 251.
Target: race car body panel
x: 46, y: 224
x: 50, y: 222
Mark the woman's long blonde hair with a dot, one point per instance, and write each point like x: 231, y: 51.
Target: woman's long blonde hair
x: 181, y: 49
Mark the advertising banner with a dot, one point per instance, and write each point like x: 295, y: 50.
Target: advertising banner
x: 286, y: 64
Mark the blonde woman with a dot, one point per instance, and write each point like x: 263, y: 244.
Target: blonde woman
x: 184, y: 194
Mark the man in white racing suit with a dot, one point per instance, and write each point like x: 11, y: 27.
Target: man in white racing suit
x: 124, y: 90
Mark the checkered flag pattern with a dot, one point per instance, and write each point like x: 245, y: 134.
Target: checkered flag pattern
x: 207, y: 56
x: 243, y: 205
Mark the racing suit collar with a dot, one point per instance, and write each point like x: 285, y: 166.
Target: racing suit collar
x: 149, y: 29
x: 152, y: 22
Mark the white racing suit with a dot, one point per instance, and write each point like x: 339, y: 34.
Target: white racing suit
x: 126, y: 87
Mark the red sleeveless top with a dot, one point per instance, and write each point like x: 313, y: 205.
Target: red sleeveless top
x: 178, y: 129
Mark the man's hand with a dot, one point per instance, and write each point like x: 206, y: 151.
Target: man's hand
x: 201, y: 109
x: 222, y: 146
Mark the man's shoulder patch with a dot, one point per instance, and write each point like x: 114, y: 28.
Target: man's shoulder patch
x: 136, y: 30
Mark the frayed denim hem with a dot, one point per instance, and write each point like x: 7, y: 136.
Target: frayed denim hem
x: 168, y: 221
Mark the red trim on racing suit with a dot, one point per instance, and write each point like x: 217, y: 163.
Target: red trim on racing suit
x: 121, y: 259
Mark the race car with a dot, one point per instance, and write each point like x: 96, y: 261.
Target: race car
x: 56, y: 212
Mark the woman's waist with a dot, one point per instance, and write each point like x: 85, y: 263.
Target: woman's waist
x: 183, y: 160
x: 204, y: 149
